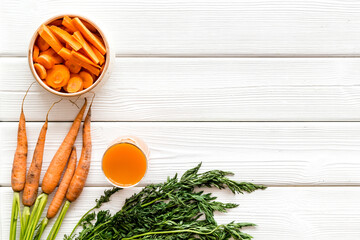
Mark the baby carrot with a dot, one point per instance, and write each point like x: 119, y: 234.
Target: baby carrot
x: 18, y: 173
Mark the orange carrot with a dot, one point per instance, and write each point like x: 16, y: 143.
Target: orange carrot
x: 69, y: 47
x: 89, y: 67
x: 57, y: 58
x: 75, y: 84
x: 57, y: 165
x: 36, y: 52
x: 89, y: 35
x: 82, y: 170
x: 83, y: 58
x: 18, y: 173
x: 33, y: 176
x: 50, y: 38
x: 68, y: 24
x: 66, y: 37
x: 58, y: 76
x: 98, y: 55
x: 65, y: 53
x: 73, y: 67
x: 57, y: 89
x: 42, y: 44
x: 40, y: 70
x: 46, y: 60
x: 87, y: 79
x: 63, y: 187
x: 86, y: 47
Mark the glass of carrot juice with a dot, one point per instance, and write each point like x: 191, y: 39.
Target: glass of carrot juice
x: 125, y: 162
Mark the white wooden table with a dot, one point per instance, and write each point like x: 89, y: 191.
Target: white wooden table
x: 268, y: 89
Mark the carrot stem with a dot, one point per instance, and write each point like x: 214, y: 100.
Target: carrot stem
x: 55, y: 229
x: 14, y: 215
x: 43, y: 225
x: 24, y: 220
x: 35, y: 215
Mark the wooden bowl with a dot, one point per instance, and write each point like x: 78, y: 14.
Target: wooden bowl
x: 109, y: 57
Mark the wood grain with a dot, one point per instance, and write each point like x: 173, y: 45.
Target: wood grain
x: 197, y: 27
x: 192, y: 89
x: 280, y: 213
x: 268, y: 153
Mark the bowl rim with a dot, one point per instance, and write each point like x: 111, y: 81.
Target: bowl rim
x: 40, y: 81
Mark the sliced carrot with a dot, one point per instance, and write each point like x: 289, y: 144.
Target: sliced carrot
x: 57, y: 22
x: 87, y: 79
x: 84, y: 59
x: 50, y: 38
x: 98, y: 55
x: 42, y: 44
x: 40, y: 70
x: 85, y: 65
x: 66, y: 37
x: 89, y: 35
x: 86, y: 47
x: 46, y: 60
x: 73, y: 67
x: 57, y: 58
x: 57, y: 89
x: 36, y: 52
x: 68, y: 24
x: 75, y: 84
x: 58, y: 76
x: 65, y: 53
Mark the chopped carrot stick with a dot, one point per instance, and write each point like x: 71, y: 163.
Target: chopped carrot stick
x: 68, y: 24
x: 57, y: 22
x: 73, y: 67
x: 66, y: 37
x: 83, y: 58
x: 85, y: 65
x: 50, y: 38
x: 58, y: 76
x: 36, y: 52
x: 98, y: 55
x: 86, y: 47
x: 65, y: 53
x: 89, y: 35
x: 40, y: 70
x: 42, y: 44
x: 46, y: 60
x: 87, y: 79
x: 75, y: 84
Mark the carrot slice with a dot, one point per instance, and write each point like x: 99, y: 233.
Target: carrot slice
x: 66, y: 37
x: 40, y: 70
x: 98, y: 55
x: 86, y: 47
x: 58, y: 76
x: 65, y: 53
x: 57, y: 58
x: 36, y: 52
x: 46, y: 60
x: 88, y: 35
x: 73, y: 67
x: 57, y: 89
x: 42, y: 44
x: 68, y: 24
x: 75, y: 84
x: 87, y: 79
x: 50, y: 38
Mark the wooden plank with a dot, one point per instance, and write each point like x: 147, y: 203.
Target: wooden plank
x: 197, y: 27
x: 193, y: 89
x: 268, y: 153
x: 280, y: 213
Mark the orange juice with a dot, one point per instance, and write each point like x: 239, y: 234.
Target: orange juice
x: 124, y: 164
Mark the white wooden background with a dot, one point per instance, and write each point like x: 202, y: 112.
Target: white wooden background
x: 269, y: 89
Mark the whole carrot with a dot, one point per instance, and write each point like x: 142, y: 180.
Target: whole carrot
x: 53, y: 173
x: 33, y: 176
x: 57, y: 165
x: 18, y: 172
x: 78, y: 180
x: 60, y: 193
